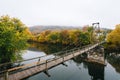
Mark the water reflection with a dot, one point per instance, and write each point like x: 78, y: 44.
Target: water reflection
x: 77, y: 68
x: 114, y: 60
x: 48, y: 48
x: 95, y: 70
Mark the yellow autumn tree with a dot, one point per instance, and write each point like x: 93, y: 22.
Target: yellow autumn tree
x: 113, y: 38
x: 13, y: 38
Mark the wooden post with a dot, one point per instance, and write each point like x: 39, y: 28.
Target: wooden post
x: 88, y: 48
x: 63, y: 58
x: 55, y: 56
x: 73, y: 53
x: 79, y: 51
x: 65, y: 53
x: 6, y: 75
x: 46, y: 65
x: 38, y: 61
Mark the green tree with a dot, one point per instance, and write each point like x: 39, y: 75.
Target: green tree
x: 53, y: 37
x: 84, y: 38
x: 13, y: 38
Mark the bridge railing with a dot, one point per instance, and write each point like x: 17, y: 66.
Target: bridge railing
x: 38, y: 60
x: 55, y: 54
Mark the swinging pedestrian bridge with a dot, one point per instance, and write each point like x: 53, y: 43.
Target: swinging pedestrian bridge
x: 30, y: 67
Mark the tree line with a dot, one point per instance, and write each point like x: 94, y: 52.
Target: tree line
x: 66, y: 37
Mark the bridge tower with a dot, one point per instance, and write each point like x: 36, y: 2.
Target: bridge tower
x: 96, y: 27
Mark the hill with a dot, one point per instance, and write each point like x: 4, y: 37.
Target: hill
x: 37, y: 29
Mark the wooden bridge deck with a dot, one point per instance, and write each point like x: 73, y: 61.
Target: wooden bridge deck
x: 44, y: 65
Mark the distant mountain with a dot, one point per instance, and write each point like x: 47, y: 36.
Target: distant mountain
x: 38, y: 29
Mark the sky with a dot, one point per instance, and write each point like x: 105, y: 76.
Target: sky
x: 63, y: 12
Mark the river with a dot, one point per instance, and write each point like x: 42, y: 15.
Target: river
x: 74, y: 69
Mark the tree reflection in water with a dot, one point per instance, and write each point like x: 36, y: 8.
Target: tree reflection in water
x: 48, y: 48
x: 114, y: 60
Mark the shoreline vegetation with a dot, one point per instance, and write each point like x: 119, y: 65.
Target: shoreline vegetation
x: 14, y: 36
x: 113, y: 40
x: 72, y: 37
x: 83, y: 36
x: 63, y: 37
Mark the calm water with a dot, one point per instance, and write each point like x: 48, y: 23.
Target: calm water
x: 75, y: 69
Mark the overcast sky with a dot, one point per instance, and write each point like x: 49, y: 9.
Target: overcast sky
x: 63, y: 12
